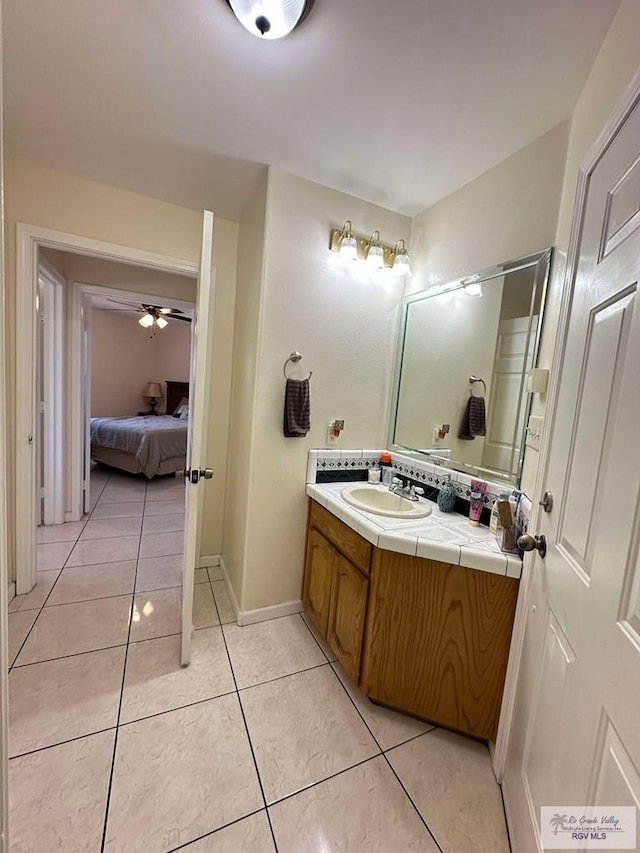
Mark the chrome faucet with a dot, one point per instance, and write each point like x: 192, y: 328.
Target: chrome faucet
x: 404, y: 490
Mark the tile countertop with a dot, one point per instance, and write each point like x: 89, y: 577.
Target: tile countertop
x: 444, y: 536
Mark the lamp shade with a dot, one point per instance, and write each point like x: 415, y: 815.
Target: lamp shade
x: 146, y: 320
x: 270, y: 19
x: 153, y: 389
x: 161, y: 322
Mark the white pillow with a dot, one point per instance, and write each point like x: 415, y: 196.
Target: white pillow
x: 182, y: 409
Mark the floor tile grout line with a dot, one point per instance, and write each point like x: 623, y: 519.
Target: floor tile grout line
x: 246, y: 728
x: 312, y: 785
x: 177, y: 708
x: 124, y: 675
x: 62, y: 742
x: 314, y: 637
x: 219, y: 829
x: 66, y: 657
x: 506, y: 822
x: 384, y: 755
x: 281, y: 677
x: 46, y: 599
x: 410, y: 798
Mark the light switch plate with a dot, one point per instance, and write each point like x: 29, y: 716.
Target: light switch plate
x: 534, y: 432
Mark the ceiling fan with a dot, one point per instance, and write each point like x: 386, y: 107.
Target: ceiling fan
x: 152, y: 315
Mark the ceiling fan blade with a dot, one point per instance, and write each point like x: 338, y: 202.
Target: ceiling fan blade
x: 178, y: 317
x: 132, y: 306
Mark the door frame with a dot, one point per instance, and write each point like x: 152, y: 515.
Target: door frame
x: 80, y: 293
x: 621, y: 111
x: 29, y: 239
x: 53, y: 395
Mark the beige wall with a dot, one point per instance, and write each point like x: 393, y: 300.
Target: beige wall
x: 125, y: 357
x: 245, y: 349
x: 612, y: 72
x: 40, y: 196
x: 87, y: 270
x: 507, y: 212
x: 345, y: 328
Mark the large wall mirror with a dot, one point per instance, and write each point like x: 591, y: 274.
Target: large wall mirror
x: 477, y: 336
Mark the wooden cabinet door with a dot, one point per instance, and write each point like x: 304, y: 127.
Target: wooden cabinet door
x: 318, y: 579
x: 347, y: 615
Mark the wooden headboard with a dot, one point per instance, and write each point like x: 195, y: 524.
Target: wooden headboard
x: 175, y: 392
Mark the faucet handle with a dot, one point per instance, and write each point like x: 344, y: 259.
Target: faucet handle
x: 417, y: 490
x: 396, y: 481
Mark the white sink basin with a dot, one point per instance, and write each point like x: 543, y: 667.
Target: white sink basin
x: 383, y: 502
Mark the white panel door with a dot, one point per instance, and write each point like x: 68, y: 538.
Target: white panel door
x: 196, y: 471
x: 576, y: 727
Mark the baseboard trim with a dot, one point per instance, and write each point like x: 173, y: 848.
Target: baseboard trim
x: 274, y: 611
x: 230, y: 590
x: 260, y: 614
x: 12, y: 591
x: 208, y: 561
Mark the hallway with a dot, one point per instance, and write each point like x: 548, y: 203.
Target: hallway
x: 115, y: 747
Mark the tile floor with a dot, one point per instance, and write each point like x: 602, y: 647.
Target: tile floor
x: 259, y: 745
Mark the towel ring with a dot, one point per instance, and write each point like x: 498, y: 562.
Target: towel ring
x: 295, y: 358
x: 473, y: 380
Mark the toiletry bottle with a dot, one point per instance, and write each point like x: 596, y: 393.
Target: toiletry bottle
x: 447, y: 495
x: 386, y: 472
x: 478, y: 489
x: 373, y: 475
x: 495, y: 525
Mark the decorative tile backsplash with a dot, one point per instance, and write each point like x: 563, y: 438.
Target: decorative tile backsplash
x: 354, y: 464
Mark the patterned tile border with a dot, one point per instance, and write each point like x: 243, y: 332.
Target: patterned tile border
x: 422, y: 472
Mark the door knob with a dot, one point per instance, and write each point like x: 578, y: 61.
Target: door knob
x: 533, y: 543
x: 194, y: 475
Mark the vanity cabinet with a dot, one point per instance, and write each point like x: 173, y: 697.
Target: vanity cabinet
x: 421, y: 636
x: 336, y: 586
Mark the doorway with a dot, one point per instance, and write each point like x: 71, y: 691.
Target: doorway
x: 30, y: 240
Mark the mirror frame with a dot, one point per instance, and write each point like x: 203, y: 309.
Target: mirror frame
x: 541, y: 262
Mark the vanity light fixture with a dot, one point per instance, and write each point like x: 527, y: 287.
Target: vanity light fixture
x: 348, y: 251
x: 375, y: 255
x: 270, y: 19
x: 401, y: 264
x: 472, y: 285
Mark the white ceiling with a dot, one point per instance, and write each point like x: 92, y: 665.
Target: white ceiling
x: 399, y: 103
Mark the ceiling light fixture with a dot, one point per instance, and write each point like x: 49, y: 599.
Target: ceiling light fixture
x: 401, y: 264
x: 146, y: 320
x: 161, y: 322
x: 271, y: 19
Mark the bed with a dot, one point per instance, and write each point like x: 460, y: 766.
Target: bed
x: 149, y: 445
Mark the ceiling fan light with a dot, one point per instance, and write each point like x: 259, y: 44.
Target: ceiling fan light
x: 161, y: 322
x: 165, y: 310
x: 146, y: 320
x: 270, y: 19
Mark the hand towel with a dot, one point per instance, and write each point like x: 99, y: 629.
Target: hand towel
x: 297, y: 421
x: 474, y: 419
